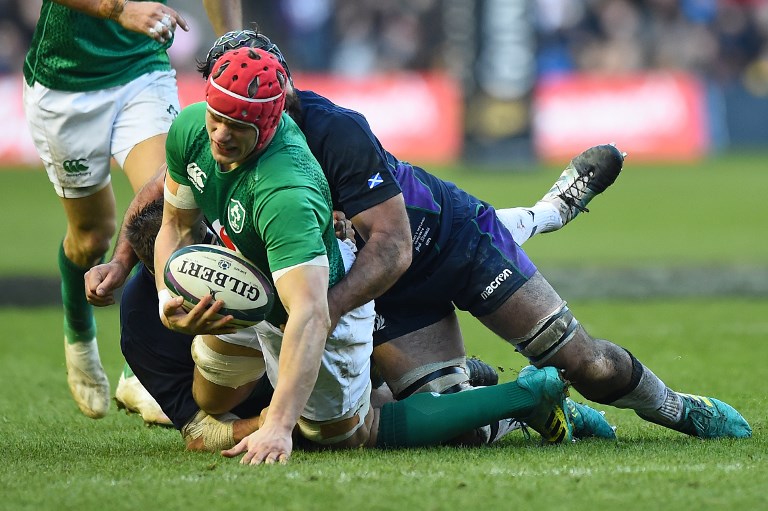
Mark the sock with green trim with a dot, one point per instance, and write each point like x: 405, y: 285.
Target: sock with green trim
x: 429, y: 419
x: 79, y: 323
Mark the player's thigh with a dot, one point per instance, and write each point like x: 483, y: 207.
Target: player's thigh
x: 523, y: 309
x: 225, y: 373
x: 538, y: 322
x: 144, y: 160
x: 216, y: 399
x: 429, y: 345
x: 150, y: 103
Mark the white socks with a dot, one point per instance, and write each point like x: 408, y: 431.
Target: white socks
x: 523, y: 223
x: 653, y: 400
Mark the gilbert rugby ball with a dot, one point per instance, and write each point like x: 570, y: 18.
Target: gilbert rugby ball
x: 195, y: 271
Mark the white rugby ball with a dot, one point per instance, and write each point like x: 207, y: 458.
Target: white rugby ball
x: 195, y: 271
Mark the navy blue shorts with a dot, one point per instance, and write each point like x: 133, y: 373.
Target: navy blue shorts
x: 478, y: 268
x: 162, y: 359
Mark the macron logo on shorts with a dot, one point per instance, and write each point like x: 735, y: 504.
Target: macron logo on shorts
x: 495, y: 283
x: 375, y: 180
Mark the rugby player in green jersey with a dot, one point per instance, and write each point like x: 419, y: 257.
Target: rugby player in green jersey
x: 98, y: 85
x: 242, y: 163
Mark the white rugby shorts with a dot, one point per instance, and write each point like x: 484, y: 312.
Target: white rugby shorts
x: 77, y: 133
x: 345, y: 371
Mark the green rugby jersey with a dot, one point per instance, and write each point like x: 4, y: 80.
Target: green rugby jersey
x: 275, y: 208
x: 72, y: 51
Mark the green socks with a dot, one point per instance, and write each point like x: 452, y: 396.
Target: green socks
x: 429, y: 419
x: 79, y: 324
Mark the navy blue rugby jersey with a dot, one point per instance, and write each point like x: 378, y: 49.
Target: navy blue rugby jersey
x: 362, y: 174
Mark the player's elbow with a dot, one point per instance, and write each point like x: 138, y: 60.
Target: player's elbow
x: 402, y: 256
x: 321, y: 319
x: 312, y: 314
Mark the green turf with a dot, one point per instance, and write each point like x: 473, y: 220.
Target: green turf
x: 707, y: 214
x: 55, y: 458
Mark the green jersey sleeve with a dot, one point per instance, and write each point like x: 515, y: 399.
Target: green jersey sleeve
x: 183, y: 136
x: 291, y: 223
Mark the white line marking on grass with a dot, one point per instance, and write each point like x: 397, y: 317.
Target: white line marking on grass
x: 613, y: 469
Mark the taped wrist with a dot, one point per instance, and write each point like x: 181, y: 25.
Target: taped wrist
x: 441, y: 377
x: 163, y: 296
x: 217, y: 430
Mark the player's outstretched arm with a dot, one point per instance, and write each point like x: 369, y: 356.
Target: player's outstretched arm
x: 302, y: 292
x: 103, y: 280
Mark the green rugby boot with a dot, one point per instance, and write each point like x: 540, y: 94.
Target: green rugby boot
x: 586, y: 176
x: 588, y: 422
x: 550, y: 418
x: 707, y: 417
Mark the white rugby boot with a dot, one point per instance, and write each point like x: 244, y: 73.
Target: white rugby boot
x: 131, y: 396
x: 86, y: 378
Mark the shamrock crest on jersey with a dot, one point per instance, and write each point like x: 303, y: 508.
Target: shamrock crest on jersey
x: 236, y: 215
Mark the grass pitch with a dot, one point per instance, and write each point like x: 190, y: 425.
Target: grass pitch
x: 708, y: 216
x: 56, y: 458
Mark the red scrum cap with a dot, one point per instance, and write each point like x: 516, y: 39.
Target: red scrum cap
x: 248, y: 85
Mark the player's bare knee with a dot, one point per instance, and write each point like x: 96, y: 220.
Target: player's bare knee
x: 591, y: 361
x: 97, y: 247
x: 87, y: 248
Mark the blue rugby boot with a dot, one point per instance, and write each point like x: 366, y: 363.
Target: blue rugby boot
x: 707, y: 417
x: 550, y: 418
x: 588, y: 422
x: 587, y: 175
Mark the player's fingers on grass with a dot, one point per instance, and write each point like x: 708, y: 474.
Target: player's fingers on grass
x: 251, y: 457
x: 281, y: 458
x: 237, y: 449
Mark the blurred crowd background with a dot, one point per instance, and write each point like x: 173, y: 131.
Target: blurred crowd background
x: 495, y: 50
x: 721, y: 39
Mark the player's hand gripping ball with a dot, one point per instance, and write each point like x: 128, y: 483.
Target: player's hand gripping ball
x: 195, y: 271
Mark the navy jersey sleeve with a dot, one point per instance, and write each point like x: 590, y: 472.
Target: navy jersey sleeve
x: 358, y: 169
